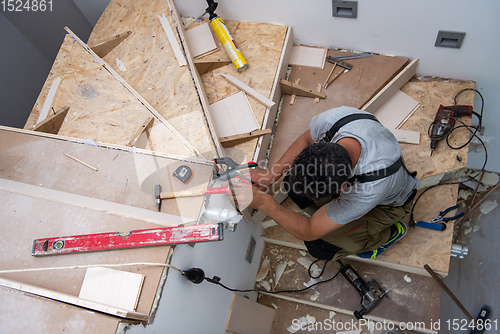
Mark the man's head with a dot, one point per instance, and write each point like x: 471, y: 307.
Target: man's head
x: 320, y: 170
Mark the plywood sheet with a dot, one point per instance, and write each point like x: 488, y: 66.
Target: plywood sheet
x: 112, y: 287
x: 345, y: 91
x: 308, y: 56
x: 247, y: 317
x: 153, y: 70
x: 430, y: 93
x: 200, y: 40
x: 123, y: 177
x: 233, y: 116
x: 48, y: 316
x: 261, y: 45
x: 28, y: 218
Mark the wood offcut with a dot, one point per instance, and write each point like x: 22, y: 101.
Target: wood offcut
x: 291, y: 88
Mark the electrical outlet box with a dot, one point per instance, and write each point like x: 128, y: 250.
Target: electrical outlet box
x: 250, y: 250
x: 449, y: 39
x: 348, y: 9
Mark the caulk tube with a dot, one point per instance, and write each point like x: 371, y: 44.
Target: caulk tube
x: 227, y: 41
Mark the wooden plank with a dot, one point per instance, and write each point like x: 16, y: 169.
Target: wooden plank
x: 120, y: 289
x: 93, y: 203
x: 248, y: 317
x: 316, y: 99
x: 392, y: 87
x: 263, y: 45
x: 292, y: 99
x: 53, y: 123
x: 308, y: 56
x: 145, y: 103
x: 295, y: 119
x: 208, y: 65
x: 406, y: 137
x: 147, y: 123
x: 200, y: 40
x: 198, y: 83
x: 49, y: 99
x: 105, y: 47
x: 270, y: 115
x: 69, y: 299
x: 249, y: 90
x: 16, y: 305
x: 173, y: 41
x: 398, y: 108
x: 153, y: 71
x: 233, y: 115
x: 291, y: 88
x: 238, y: 139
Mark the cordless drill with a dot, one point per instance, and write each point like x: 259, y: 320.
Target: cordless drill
x: 371, y: 293
x: 445, y: 121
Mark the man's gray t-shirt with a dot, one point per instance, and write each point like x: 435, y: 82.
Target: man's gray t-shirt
x: 379, y: 150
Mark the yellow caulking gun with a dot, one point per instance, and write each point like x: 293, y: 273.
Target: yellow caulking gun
x: 225, y: 37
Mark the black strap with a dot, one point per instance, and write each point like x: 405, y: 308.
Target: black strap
x: 368, y: 177
x: 379, y: 174
x: 343, y: 121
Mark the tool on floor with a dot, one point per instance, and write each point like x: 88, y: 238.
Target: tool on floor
x: 131, y: 239
x: 371, y: 293
x: 352, y: 56
x: 444, y: 122
x: 325, y: 85
x: 232, y: 168
x: 159, y: 195
x: 183, y: 173
x: 481, y: 324
x: 340, y: 63
x: 225, y: 37
x: 448, y: 291
x: 439, y: 223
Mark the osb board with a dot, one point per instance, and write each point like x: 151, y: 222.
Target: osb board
x: 26, y: 218
x: 25, y: 313
x: 261, y: 45
x: 288, y: 311
x: 430, y: 93
x: 122, y: 177
x: 412, y: 298
x: 353, y: 89
x: 101, y: 109
x: 419, y: 246
x: 152, y: 69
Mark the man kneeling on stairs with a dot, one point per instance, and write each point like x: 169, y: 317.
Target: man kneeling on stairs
x: 346, y: 174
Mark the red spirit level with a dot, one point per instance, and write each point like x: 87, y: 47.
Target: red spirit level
x: 137, y: 238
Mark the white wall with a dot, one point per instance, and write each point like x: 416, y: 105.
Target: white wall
x: 92, y: 9
x: 23, y: 71
x: 395, y: 27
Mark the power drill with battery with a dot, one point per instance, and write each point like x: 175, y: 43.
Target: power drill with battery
x: 445, y: 121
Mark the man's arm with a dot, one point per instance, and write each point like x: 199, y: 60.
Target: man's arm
x: 264, y: 179
x: 302, y: 227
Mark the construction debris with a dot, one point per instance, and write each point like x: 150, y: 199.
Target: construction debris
x: 487, y: 206
x: 264, y: 269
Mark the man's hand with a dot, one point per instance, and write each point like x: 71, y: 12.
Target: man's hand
x: 247, y: 196
x: 262, y: 178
